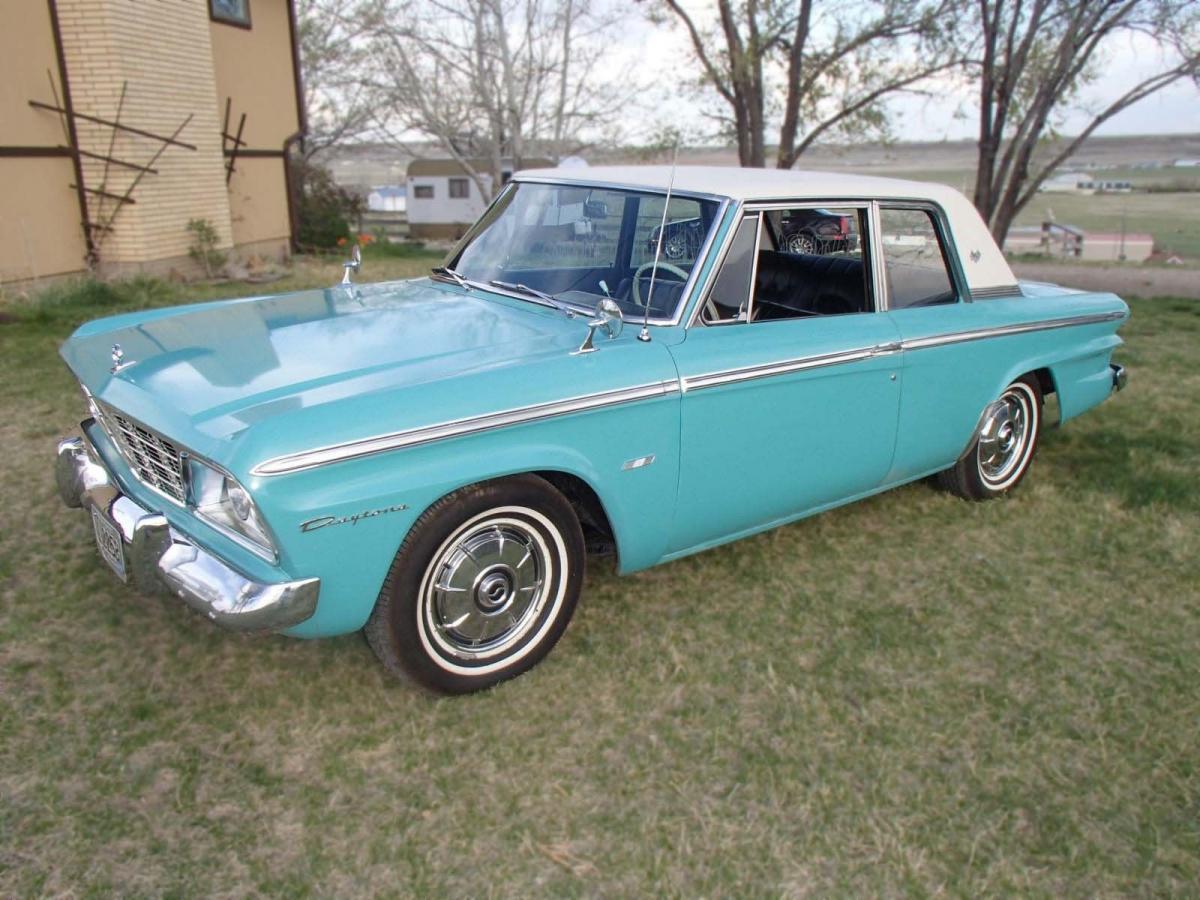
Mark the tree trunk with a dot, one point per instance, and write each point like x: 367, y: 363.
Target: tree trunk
x: 791, y: 105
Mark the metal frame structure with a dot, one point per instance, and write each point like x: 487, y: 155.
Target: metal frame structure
x: 96, y: 225
x: 231, y: 144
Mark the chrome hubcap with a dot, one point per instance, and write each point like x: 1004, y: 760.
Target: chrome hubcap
x: 1003, y: 438
x: 487, y: 588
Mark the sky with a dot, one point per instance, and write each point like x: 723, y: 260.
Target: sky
x: 946, y: 111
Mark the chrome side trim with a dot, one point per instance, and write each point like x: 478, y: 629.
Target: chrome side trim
x: 996, y: 292
x: 958, y: 337
x: 784, y: 367
x: 412, y: 437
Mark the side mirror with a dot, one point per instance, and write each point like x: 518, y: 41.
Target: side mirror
x: 353, y: 264
x: 608, y: 319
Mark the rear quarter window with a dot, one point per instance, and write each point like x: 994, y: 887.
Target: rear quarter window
x: 918, y: 272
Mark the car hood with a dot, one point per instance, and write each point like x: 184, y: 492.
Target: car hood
x: 206, y: 374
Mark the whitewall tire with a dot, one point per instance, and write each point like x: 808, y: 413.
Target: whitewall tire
x: 1003, y: 447
x: 482, y: 587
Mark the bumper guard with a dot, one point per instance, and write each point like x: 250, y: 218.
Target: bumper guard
x: 1119, y: 377
x: 161, y: 559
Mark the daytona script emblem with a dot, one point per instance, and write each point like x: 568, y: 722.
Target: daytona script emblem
x: 324, y: 521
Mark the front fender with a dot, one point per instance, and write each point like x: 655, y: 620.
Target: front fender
x: 344, y: 522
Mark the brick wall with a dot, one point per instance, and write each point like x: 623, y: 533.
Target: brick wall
x: 163, y: 51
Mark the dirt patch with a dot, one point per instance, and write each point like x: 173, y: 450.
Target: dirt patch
x: 1126, y: 282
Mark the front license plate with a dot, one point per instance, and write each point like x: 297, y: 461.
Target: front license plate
x: 108, y: 540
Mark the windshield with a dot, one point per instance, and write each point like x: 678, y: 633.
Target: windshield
x: 578, y: 244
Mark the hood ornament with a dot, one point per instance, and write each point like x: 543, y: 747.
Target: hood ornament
x: 118, y: 360
x: 351, y: 265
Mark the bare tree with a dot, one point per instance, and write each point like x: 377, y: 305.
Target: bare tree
x: 333, y: 55
x: 834, y: 64
x: 490, y: 79
x: 1035, y: 57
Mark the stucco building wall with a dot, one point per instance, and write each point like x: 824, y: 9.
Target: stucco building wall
x: 40, y: 222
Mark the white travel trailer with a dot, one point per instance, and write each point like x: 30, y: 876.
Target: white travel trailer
x: 444, y: 200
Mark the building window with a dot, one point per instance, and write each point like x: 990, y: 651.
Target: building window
x: 423, y: 192
x: 231, y: 12
x: 460, y: 188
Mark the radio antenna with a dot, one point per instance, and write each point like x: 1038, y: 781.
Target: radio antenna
x: 644, y: 335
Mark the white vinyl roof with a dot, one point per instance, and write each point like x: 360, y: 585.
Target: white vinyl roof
x: 984, y: 264
x: 745, y: 184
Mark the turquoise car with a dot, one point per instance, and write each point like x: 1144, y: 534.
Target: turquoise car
x: 432, y: 461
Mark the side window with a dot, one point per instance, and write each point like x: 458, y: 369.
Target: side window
x: 460, y: 188
x: 423, y: 191
x: 915, y: 260
x: 810, y: 262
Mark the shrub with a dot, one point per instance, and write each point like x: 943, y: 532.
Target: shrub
x: 204, y: 246
x: 324, y: 207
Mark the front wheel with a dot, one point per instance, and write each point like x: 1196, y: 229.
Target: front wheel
x: 482, y: 588
x: 1004, y: 444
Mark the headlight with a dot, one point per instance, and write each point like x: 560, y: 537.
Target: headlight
x: 243, y: 506
x: 225, y: 504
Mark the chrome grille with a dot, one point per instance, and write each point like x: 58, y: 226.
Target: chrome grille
x: 155, y: 460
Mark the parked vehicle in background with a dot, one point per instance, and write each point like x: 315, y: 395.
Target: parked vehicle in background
x: 815, y: 231
x: 681, y: 239
x: 429, y: 460
x: 819, y: 231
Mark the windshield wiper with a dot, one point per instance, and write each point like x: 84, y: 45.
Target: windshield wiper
x: 452, y: 274
x: 525, y: 289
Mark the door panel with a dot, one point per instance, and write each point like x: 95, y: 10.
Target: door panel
x: 761, y: 446
x: 945, y: 387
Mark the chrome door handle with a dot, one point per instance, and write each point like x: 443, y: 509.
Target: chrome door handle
x: 890, y: 347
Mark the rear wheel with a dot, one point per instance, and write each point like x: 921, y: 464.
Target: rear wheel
x: 1004, y: 445
x: 482, y: 588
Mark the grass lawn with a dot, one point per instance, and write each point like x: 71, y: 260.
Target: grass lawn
x: 909, y: 695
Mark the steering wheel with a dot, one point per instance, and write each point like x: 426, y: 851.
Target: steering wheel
x: 666, y: 267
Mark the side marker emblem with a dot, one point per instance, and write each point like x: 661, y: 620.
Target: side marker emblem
x: 640, y: 463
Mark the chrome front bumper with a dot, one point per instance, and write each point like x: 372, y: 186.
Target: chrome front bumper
x: 1119, y: 376
x: 159, y: 558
